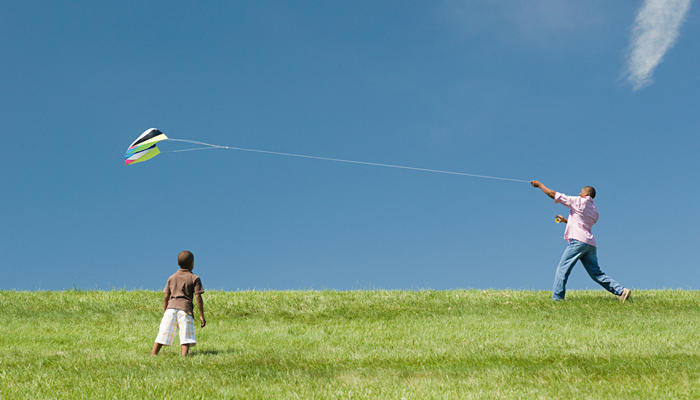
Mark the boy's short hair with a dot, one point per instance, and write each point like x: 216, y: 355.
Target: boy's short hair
x: 590, y: 190
x: 185, y: 259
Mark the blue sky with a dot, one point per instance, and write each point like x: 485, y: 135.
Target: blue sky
x: 523, y: 89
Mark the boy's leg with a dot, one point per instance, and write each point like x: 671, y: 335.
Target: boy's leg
x: 166, y: 332
x: 590, y: 262
x: 571, y: 254
x: 186, y: 324
x: 156, y: 348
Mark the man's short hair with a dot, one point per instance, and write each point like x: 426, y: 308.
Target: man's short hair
x: 590, y: 190
x: 185, y: 259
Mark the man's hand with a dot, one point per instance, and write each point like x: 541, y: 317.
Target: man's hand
x: 202, y: 320
x: 549, y: 192
x: 561, y: 219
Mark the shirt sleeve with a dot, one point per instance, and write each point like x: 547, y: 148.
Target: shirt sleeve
x: 167, y: 287
x: 561, y: 198
x: 198, y: 289
x: 573, y: 202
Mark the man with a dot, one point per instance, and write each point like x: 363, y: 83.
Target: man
x: 582, y: 246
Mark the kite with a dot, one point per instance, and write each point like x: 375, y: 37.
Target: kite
x: 144, y: 147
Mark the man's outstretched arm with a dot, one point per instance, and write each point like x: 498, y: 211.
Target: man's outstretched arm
x: 549, y: 192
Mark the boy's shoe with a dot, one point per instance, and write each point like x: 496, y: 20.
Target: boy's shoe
x: 625, y: 295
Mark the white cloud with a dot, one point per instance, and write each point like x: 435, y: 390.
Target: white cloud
x: 655, y: 31
x: 544, y: 24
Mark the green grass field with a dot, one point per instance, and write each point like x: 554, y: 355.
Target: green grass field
x: 355, y: 345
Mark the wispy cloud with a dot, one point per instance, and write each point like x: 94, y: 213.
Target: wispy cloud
x: 545, y: 24
x: 655, y: 31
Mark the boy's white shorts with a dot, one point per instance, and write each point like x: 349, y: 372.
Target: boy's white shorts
x: 172, y: 319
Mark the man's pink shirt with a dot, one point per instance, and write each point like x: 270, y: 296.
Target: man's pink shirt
x: 582, y: 215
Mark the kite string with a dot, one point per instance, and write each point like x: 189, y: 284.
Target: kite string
x: 210, y: 146
x: 190, y: 149
x: 213, y: 146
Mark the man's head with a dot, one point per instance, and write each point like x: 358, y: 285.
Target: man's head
x: 587, y: 191
x: 185, y: 259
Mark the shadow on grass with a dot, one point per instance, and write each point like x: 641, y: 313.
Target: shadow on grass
x: 213, y: 352
x: 592, y: 365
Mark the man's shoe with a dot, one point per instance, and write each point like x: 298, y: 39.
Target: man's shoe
x: 625, y: 295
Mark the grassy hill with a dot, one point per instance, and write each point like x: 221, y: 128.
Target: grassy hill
x: 355, y: 345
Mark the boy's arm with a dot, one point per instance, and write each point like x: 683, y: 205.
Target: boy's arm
x: 166, y: 298
x: 549, y: 192
x: 200, y: 307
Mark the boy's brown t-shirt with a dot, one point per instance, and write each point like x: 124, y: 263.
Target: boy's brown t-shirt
x: 182, y: 286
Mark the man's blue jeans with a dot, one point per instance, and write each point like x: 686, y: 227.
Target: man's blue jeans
x: 575, y: 251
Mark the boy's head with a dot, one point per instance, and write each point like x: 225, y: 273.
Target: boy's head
x: 588, y: 191
x: 185, y: 259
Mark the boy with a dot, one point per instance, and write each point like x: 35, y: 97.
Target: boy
x: 181, y: 287
x: 582, y: 246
